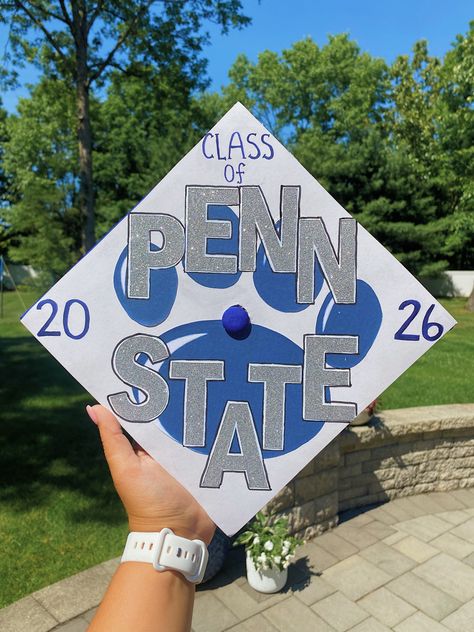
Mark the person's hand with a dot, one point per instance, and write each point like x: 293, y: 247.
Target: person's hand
x: 152, y: 498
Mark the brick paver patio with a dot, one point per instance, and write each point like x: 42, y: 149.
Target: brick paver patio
x: 406, y: 566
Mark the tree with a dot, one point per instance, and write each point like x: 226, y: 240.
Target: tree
x: 41, y: 161
x: 332, y: 88
x: 393, y: 145
x: 3, y: 140
x: 433, y: 127
x: 4, y: 226
x: 144, y: 126
x: 330, y: 105
x: 83, y: 40
x: 457, y: 139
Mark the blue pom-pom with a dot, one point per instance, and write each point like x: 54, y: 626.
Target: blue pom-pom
x: 235, y: 320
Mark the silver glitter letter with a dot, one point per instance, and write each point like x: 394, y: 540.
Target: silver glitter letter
x: 316, y: 377
x: 339, y: 270
x: 237, y: 419
x: 275, y: 378
x: 199, y: 229
x: 196, y: 374
x: 141, y: 259
x: 255, y: 218
x: 142, y: 377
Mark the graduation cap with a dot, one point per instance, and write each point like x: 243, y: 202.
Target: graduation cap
x: 237, y: 319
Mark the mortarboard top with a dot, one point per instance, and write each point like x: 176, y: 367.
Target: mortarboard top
x: 237, y: 319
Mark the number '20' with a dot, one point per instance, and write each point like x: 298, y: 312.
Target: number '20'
x: 426, y: 325
x: 45, y: 331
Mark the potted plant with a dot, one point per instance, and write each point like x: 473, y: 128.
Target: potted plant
x: 269, y: 548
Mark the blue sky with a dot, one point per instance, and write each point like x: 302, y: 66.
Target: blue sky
x: 384, y: 28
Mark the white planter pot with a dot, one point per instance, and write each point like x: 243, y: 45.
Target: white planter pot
x: 269, y: 581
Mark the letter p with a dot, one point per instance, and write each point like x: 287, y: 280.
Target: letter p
x: 141, y: 259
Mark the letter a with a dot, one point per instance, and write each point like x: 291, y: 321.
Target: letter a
x: 237, y: 419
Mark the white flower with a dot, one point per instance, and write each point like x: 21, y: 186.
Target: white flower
x: 268, y: 546
x: 286, y: 564
x: 286, y: 544
x: 277, y: 559
x: 256, y: 540
x: 262, y: 562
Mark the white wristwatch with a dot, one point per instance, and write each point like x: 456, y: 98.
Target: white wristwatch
x: 167, y: 551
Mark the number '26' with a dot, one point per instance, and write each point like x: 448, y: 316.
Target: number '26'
x: 45, y: 331
x: 427, y: 326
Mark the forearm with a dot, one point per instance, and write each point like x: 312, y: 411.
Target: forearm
x: 140, y: 599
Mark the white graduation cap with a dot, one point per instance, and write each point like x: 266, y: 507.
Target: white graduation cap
x: 237, y: 319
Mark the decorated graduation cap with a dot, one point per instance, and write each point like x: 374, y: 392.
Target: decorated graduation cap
x: 237, y: 319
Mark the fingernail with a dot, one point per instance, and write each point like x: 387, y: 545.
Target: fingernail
x: 91, y: 412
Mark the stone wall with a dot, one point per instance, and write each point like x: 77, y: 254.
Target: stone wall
x: 399, y: 453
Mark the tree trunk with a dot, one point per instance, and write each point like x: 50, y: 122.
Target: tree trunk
x: 86, y: 190
x: 84, y: 134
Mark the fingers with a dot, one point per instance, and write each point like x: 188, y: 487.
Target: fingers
x: 117, y: 447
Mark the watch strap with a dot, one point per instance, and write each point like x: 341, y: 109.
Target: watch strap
x: 167, y: 551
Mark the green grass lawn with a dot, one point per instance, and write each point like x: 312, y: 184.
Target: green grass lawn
x: 58, y: 510
x: 59, y: 513
x: 444, y: 375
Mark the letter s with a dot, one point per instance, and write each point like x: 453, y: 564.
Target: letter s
x: 151, y: 383
x: 272, y: 152
x: 254, y: 144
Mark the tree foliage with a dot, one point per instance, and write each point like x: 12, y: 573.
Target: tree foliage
x: 82, y: 41
x: 5, y: 228
x: 394, y: 145
x: 145, y: 125
x: 41, y: 160
x: 457, y: 140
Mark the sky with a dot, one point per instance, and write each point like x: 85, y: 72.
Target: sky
x: 384, y: 28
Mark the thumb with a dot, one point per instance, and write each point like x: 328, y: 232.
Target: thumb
x: 117, y: 447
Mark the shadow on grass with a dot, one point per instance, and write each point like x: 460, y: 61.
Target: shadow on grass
x: 47, y: 444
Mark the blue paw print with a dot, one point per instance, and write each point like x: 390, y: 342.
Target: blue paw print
x: 278, y: 289
x: 362, y: 319
x: 211, y: 342
x: 222, y: 247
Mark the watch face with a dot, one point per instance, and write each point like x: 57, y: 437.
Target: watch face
x: 237, y: 319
